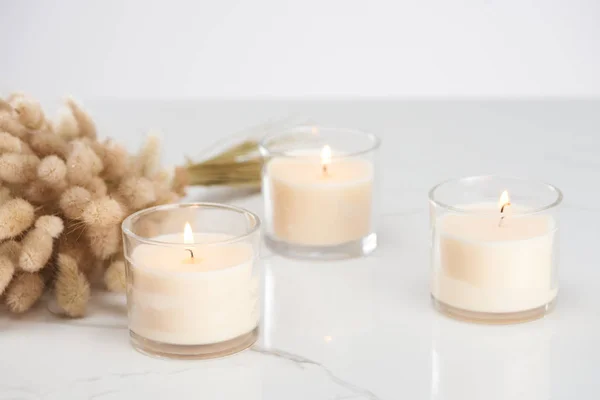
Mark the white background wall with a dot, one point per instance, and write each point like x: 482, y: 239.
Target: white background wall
x: 316, y: 48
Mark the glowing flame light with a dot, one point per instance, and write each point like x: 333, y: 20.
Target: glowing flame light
x: 504, y: 200
x: 188, y: 235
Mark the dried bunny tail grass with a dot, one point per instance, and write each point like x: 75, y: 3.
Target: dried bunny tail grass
x: 52, y: 170
x: 24, y: 291
x: 9, y: 124
x: 39, y: 192
x: 10, y: 143
x: 167, y: 197
x: 97, y: 187
x: 88, y: 264
x: 95, y: 274
x: 114, y: 277
x: 81, y: 149
x: 145, y: 227
x: 65, y: 124
x: 137, y: 192
x: 104, y: 242
x: 16, y: 215
x: 80, y: 254
x: 82, y: 163
x: 50, y: 208
x: 181, y: 179
x: 115, y: 159
x: 84, y: 121
x: 5, y: 106
x: 230, y: 173
x: 11, y: 249
x: 14, y: 95
x: 72, y: 289
x: 5, y: 194
x: 70, y: 243
x: 162, y: 179
x: 162, y: 187
x: 102, y: 212
x: 7, y: 270
x: 25, y: 149
x: 74, y: 201
x: 18, y: 168
x: 47, y: 143
x: 96, y: 146
x: 29, y: 111
x: 148, y: 159
x: 116, y: 196
x: 37, y: 245
x: 47, y: 127
x: 51, y: 224
x: 37, y: 249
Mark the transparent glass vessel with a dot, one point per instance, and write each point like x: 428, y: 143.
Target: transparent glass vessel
x: 320, y: 192
x: 193, y: 279
x: 494, y: 249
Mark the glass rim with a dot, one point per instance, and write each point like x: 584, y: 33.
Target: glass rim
x: 266, y: 150
x: 126, y: 224
x: 555, y: 203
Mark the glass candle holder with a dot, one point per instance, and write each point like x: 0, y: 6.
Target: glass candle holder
x: 192, y: 279
x: 494, y: 248
x: 319, y: 187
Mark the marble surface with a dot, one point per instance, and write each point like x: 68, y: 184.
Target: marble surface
x: 365, y: 328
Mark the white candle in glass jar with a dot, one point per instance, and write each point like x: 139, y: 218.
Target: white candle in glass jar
x: 319, y: 202
x: 209, y: 298
x: 485, y: 263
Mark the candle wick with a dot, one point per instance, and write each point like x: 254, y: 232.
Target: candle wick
x: 324, y: 169
x: 191, y: 253
x: 502, y: 214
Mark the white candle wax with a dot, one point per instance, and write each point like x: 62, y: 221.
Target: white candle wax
x: 483, y: 266
x: 316, y: 206
x: 179, y: 300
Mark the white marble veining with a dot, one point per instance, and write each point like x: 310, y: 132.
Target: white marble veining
x: 364, y: 328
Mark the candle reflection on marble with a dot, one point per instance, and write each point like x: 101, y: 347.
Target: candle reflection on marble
x: 491, y: 363
x: 288, y: 321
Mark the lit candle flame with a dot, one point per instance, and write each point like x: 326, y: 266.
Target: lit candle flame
x: 504, y: 201
x: 188, y: 238
x: 325, y: 158
x: 188, y: 235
